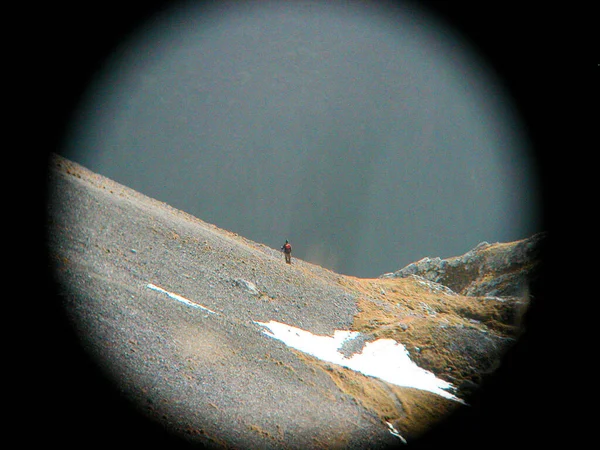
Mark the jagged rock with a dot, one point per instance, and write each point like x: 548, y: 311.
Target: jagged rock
x: 499, y: 270
x: 433, y: 286
x: 248, y: 285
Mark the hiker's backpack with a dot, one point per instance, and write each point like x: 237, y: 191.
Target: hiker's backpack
x: 287, y: 248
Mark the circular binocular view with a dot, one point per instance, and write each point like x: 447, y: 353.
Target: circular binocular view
x: 296, y: 224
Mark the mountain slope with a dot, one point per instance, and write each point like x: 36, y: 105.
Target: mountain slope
x: 500, y: 269
x: 125, y: 262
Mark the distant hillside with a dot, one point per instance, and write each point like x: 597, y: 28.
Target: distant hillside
x: 170, y: 307
x: 457, y: 316
x: 496, y: 270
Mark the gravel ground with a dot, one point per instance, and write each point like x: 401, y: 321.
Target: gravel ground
x: 212, y: 378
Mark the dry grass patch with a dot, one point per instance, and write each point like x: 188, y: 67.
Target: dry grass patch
x: 411, y: 411
x: 398, y: 302
x: 453, y: 336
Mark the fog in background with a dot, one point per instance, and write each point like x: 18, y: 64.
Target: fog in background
x: 369, y: 137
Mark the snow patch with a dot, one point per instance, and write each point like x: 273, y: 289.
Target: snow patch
x: 396, y: 432
x: 179, y: 298
x: 385, y: 358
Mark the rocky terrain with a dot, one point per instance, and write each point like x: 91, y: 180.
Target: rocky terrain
x: 205, y: 371
x: 460, y: 314
x: 488, y: 270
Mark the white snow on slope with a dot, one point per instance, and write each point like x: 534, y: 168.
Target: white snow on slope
x: 179, y: 298
x: 385, y: 358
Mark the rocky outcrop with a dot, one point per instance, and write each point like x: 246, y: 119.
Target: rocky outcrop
x: 490, y: 288
x: 488, y: 270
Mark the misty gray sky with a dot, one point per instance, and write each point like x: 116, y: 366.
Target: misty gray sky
x: 368, y: 139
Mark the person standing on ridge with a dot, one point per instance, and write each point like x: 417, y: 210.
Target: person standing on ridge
x: 287, y: 251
